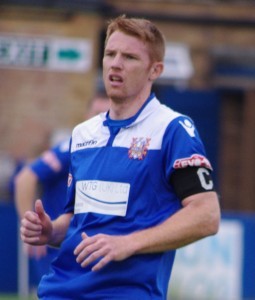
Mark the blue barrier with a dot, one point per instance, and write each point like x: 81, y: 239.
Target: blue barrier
x: 8, y: 248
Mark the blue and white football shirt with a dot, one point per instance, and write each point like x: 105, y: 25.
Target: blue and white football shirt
x: 119, y: 183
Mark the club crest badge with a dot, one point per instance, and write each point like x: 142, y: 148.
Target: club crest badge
x: 139, y: 148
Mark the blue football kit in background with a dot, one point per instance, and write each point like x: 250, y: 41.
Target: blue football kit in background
x: 51, y: 168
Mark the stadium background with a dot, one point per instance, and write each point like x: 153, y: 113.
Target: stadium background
x: 50, y: 67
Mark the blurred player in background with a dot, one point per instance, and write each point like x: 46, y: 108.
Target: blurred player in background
x: 140, y: 184
x: 46, y: 177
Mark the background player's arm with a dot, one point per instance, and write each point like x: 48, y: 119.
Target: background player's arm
x: 25, y: 190
x: 26, y: 186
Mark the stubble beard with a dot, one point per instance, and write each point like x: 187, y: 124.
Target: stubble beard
x: 116, y: 97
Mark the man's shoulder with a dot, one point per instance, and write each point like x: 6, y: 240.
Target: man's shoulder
x: 161, y: 114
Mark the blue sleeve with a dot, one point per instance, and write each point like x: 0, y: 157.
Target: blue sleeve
x: 52, y: 163
x: 183, y: 147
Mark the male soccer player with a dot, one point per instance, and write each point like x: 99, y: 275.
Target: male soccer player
x: 140, y: 184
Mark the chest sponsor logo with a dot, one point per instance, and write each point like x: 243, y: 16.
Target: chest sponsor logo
x: 139, y: 148
x: 194, y: 160
x: 102, y: 197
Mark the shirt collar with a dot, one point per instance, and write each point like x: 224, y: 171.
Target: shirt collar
x: 126, y: 122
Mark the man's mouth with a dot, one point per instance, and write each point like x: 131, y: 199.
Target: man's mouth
x: 115, y: 78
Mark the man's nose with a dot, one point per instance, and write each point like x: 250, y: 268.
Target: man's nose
x: 117, y: 61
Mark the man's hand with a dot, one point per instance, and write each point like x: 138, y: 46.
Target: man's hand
x: 36, y: 227
x: 102, y: 247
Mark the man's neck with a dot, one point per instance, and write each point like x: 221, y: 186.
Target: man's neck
x: 121, y: 110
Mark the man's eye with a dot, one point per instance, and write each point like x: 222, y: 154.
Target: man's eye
x: 130, y: 56
x: 109, y: 54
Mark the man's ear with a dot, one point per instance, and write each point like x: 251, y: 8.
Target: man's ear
x: 156, y: 70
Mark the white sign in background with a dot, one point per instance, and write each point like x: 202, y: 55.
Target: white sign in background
x: 210, y: 269
x: 178, y: 62
x: 75, y: 55
x: 45, y: 53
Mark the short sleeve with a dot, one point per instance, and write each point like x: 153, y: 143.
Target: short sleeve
x: 182, y: 146
x: 52, y: 163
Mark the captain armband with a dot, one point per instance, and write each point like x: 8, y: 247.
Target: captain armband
x: 191, y: 180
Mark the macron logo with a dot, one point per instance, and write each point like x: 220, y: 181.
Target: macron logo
x: 188, y: 126
x: 86, y: 144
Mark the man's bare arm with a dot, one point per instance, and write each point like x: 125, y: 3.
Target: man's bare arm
x: 199, y: 218
x: 25, y: 190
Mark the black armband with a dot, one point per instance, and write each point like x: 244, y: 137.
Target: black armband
x: 191, y: 180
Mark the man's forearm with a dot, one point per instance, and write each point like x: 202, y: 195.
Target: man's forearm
x: 59, y: 229
x: 198, y: 219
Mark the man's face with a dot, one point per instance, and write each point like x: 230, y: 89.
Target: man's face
x: 126, y: 67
